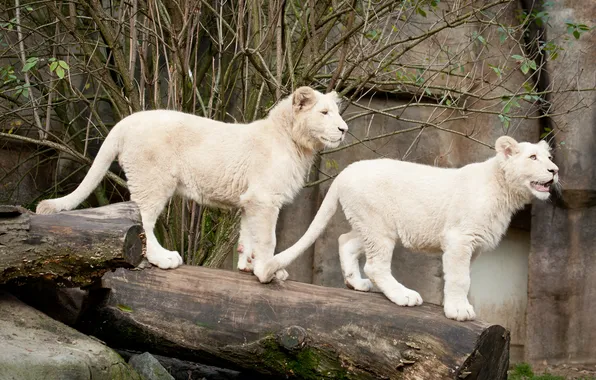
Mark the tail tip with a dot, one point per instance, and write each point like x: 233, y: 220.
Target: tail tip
x: 48, y: 206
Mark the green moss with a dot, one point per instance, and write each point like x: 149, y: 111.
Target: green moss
x: 307, y: 363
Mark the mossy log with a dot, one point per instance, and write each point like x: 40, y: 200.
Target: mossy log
x: 72, y: 248
x: 289, y: 329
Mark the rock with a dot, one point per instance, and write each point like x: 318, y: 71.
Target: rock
x: 185, y: 370
x: 149, y: 367
x: 34, y: 346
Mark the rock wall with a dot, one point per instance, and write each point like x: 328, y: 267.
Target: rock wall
x: 562, y: 288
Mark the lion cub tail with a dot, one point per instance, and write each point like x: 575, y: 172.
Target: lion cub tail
x: 107, y: 153
x: 316, y: 228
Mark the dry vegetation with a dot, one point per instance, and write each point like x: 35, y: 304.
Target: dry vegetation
x: 69, y: 70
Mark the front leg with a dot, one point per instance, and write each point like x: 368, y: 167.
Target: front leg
x: 245, y: 246
x: 260, y: 224
x: 456, y: 269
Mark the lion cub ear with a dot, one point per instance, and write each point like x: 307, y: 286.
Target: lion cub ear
x: 304, y: 98
x: 544, y: 144
x: 507, y: 145
x: 335, y: 96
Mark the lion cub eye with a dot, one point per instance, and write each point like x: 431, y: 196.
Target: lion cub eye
x: 533, y: 157
x: 324, y: 112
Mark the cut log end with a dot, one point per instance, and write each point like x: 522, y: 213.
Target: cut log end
x: 72, y: 248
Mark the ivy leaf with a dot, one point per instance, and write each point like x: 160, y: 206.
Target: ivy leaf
x: 502, y: 37
x: 507, y: 108
x: 505, y: 120
x: 60, y: 72
x: 31, y: 62
x: 53, y: 66
x: 64, y: 65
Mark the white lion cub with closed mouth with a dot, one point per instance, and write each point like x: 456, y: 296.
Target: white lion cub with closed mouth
x: 458, y: 212
x: 256, y: 167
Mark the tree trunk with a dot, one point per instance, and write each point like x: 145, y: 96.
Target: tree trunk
x: 290, y: 329
x: 72, y: 248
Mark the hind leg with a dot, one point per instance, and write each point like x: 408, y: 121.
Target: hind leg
x: 350, y: 249
x: 151, y: 197
x: 379, y: 251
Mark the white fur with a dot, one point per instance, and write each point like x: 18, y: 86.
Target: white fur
x: 257, y: 167
x: 455, y: 211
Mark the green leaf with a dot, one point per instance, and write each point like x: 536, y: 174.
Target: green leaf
x: 554, y: 56
x: 64, y: 65
x: 28, y: 66
x: 507, y: 108
x: 525, y: 67
x: 502, y: 37
x: 576, y: 34
x: 518, y: 57
x: 53, y: 66
x: 532, y: 64
x: 60, y: 72
x: 124, y: 308
x: 505, y: 121
x: 482, y: 40
x: 496, y: 70
x: 421, y: 12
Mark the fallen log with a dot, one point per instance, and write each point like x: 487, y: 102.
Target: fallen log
x: 73, y: 248
x: 289, y: 329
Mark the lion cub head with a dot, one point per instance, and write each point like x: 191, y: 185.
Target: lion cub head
x: 527, y: 166
x: 316, y: 120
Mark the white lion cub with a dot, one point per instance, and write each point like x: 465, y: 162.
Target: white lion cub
x: 459, y: 212
x: 256, y: 167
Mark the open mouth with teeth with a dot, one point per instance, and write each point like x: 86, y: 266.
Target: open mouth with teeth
x: 331, y: 141
x: 543, y: 187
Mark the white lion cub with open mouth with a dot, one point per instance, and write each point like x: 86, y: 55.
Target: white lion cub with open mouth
x: 458, y: 212
x: 256, y: 167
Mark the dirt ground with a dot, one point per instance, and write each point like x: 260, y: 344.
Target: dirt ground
x: 567, y: 371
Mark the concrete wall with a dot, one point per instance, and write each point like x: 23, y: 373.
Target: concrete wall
x: 499, y: 290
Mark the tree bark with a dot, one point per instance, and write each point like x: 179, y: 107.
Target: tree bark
x: 290, y: 329
x: 73, y: 248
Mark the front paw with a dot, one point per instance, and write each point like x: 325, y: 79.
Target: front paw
x: 163, y: 258
x: 282, y: 275
x: 265, y: 271
x: 361, y: 285
x: 245, y: 261
x: 405, y: 297
x: 460, y: 310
